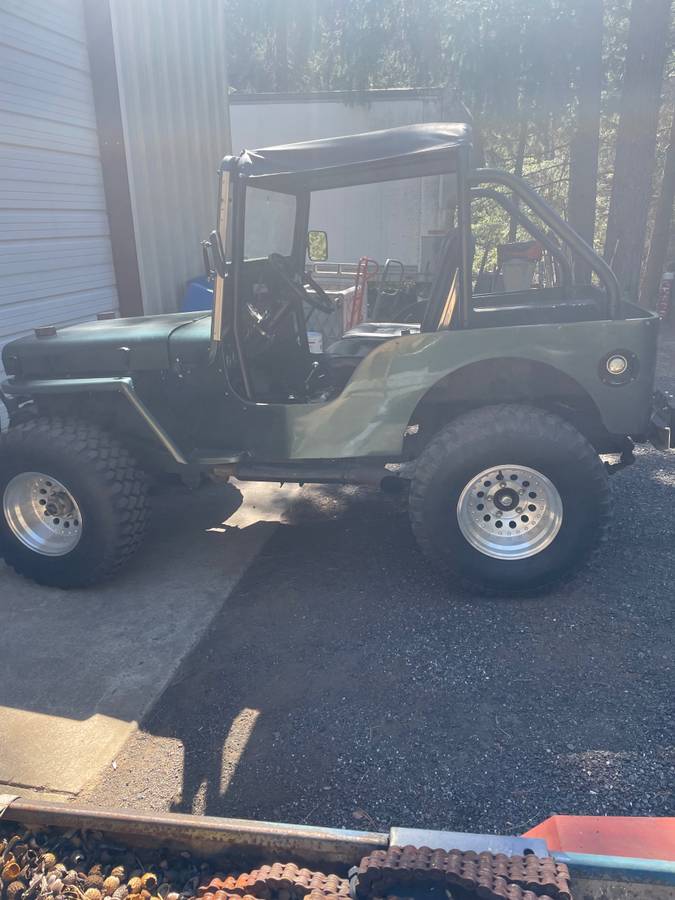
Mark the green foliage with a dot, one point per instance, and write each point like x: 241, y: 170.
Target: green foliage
x: 513, y: 63
x: 507, y: 57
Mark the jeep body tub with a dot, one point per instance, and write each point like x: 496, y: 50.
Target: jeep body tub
x: 162, y: 360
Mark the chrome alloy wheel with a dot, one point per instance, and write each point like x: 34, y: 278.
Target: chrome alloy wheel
x: 510, y: 512
x: 42, y: 514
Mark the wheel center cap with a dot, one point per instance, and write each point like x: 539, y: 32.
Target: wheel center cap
x: 506, y: 499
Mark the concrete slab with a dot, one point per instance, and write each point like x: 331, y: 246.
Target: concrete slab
x: 79, y: 669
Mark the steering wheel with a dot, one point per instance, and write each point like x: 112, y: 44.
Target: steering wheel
x: 264, y: 322
x: 321, y: 302
x: 324, y: 303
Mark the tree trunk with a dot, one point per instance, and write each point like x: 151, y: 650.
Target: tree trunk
x: 280, y: 46
x: 636, y: 140
x: 585, y: 144
x: 518, y: 170
x: 658, y: 245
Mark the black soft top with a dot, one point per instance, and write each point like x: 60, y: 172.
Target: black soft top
x: 407, y: 152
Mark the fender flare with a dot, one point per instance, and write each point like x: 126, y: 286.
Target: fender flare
x: 122, y: 385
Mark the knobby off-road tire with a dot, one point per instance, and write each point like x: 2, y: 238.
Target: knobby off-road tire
x: 509, y: 464
x: 90, y: 490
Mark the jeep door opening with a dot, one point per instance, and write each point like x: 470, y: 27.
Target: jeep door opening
x: 491, y: 406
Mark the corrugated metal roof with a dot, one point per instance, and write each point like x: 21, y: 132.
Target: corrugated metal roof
x: 55, y: 256
x: 176, y: 132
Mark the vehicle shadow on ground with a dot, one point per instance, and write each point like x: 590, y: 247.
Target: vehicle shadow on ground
x: 345, y: 684
x: 79, y: 668
x: 118, y: 627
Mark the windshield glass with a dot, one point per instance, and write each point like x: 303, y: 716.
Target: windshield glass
x: 270, y: 223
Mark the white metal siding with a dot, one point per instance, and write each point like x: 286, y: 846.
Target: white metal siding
x: 377, y: 220
x: 171, y: 70
x: 55, y: 256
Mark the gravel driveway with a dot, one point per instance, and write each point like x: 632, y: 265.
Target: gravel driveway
x: 345, y: 684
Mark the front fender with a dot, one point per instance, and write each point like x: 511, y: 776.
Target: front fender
x: 124, y: 385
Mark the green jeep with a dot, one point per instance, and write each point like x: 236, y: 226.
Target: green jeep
x: 491, y: 410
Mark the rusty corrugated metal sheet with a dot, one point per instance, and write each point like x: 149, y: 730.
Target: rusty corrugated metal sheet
x: 170, y: 59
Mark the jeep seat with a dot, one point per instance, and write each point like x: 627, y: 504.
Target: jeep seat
x: 344, y: 355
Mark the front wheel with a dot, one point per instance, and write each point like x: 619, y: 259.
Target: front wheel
x: 73, y: 502
x: 509, y: 498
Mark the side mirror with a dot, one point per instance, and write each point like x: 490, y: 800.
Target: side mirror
x: 209, y: 271
x: 317, y: 246
x: 215, y: 261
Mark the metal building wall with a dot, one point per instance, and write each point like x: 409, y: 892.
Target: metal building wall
x: 170, y: 59
x: 55, y: 256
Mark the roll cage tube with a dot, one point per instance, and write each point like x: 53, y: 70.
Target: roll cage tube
x: 237, y: 230
x: 537, y: 233
x: 548, y: 215
x: 298, y: 252
x: 464, y: 228
x: 238, y: 222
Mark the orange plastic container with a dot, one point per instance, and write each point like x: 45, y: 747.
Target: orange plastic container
x: 633, y: 836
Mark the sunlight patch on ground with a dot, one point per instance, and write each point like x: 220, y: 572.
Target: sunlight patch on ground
x: 286, y: 504
x: 235, y: 744
x: 663, y: 476
x: 262, y: 503
x: 54, y: 752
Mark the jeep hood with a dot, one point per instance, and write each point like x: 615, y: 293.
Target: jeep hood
x: 108, y: 347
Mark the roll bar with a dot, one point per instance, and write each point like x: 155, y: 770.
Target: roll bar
x: 548, y: 215
x: 537, y: 233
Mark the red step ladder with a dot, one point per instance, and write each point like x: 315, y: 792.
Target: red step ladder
x: 366, y: 269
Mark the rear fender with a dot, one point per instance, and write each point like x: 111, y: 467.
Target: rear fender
x: 372, y: 414
x: 511, y: 380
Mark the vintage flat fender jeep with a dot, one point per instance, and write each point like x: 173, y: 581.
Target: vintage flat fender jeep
x: 492, y: 410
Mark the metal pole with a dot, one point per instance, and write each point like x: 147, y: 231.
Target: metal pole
x: 238, y: 213
x: 464, y: 226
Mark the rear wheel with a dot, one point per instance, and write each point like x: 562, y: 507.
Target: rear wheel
x: 509, y: 498
x: 74, y: 502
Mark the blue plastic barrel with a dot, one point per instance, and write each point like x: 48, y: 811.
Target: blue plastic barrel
x: 198, y: 295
